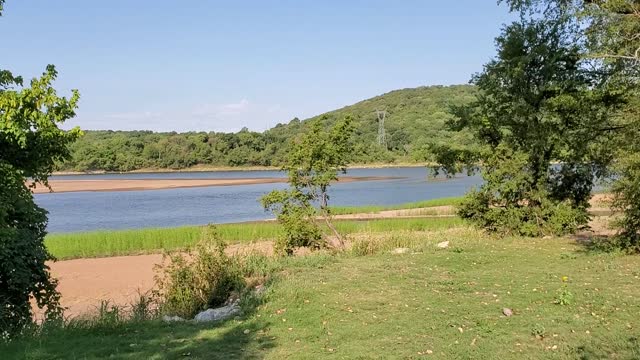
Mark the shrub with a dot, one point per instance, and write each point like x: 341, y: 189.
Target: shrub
x: 24, y: 274
x: 200, y: 278
x: 513, y: 202
x: 296, y: 214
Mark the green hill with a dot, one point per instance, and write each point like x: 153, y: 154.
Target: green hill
x: 415, y: 118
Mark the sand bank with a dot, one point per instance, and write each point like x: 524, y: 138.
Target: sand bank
x: 60, y: 186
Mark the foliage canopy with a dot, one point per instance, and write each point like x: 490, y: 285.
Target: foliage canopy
x: 544, y: 120
x: 30, y: 145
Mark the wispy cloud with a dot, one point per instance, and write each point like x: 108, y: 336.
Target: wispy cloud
x: 135, y: 115
x: 217, y: 110
x: 226, y: 117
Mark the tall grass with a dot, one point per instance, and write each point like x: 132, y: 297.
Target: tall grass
x: 448, y: 201
x: 130, y: 242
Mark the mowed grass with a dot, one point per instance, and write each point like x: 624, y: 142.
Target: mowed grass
x: 129, y: 242
x: 427, y: 303
x: 447, y: 201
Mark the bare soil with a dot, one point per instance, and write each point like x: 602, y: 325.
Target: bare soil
x: 84, y: 283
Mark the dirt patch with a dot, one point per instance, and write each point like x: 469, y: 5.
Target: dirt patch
x: 158, y: 184
x: 84, y: 283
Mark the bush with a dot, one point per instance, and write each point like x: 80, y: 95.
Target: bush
x: 514, y: 202
x: 548, y: 217
x: 197, y: 279
x: 297, y: 215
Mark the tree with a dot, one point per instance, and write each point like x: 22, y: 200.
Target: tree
x: 30, y: 145
x: 543, y: 123
x: 611, y: 32
x: 314, y: 162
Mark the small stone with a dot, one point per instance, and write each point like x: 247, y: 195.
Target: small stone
x: 507, y: 312
x: 400, y: 251
x: 429, y: 352
x: 246, y: 331
x: 443, y: 245
x: 221, y: 313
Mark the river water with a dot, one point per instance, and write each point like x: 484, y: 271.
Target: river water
x: 85, y: 211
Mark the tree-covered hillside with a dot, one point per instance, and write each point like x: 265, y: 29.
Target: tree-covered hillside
x: 415, y: 119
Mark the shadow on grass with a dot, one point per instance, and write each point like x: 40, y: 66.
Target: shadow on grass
x: 597, y: 244
x: 148, y: 340
x: 629, y: 349
x: 153, y: 339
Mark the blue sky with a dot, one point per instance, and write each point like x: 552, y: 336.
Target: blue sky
x: 221, y: 65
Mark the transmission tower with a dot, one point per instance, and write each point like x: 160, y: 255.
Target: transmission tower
x: 382, y: 133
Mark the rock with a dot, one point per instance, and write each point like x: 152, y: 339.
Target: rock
x: 443, y: 245
x: 168, y: 318
x: 400, y: 251
x: 221, y: 313
x: 507, y: 312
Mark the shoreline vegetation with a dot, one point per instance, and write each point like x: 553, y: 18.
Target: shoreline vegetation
x: 60, y: 186
x: 434, y: 214
x: 105, y: 243
x: 240, y: 169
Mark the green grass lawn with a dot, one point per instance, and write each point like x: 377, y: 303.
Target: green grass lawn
x: 128, y: 242
x: 447, y: 201
x: 428, y: 303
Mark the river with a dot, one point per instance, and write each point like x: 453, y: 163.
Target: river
x: 86, y: 211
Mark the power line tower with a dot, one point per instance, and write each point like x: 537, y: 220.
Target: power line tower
x: 382, y: 133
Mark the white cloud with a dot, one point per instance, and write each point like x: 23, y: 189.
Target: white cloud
x: 135, y: 115
x: 208, y: 110
x: 235, y: 108
x: 204, y: 117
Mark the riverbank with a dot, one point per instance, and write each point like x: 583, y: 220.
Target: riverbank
x: 107, y: 243
x: 60, y: 185
x: 118, y: 266
x: 416, y: 216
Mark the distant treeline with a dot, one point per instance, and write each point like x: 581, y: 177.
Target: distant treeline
x: 415, y: 120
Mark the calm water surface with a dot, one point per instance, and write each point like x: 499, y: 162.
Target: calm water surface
x: 84, y: 211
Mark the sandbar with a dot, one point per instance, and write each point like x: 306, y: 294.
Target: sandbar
x: 61, y: 185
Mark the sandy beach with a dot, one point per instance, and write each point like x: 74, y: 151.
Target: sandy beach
x: 60, y: 186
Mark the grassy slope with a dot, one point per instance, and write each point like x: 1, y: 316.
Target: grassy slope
x: 129, y: 242
x: 446, y: 303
